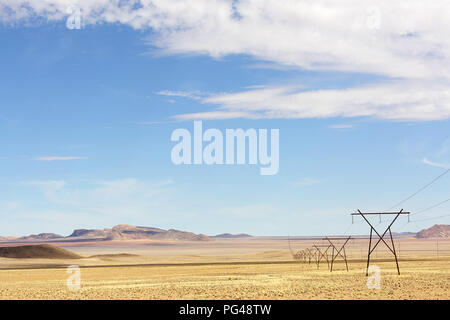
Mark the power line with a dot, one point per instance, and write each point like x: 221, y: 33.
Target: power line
x: 414, y: 194
x: 420, y: 190
x: 432, y: 218
x: 348, y: 229
x: 431, y: 207
x: 426, y: 219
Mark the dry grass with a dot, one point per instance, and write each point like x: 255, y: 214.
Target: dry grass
x: 273, y: 277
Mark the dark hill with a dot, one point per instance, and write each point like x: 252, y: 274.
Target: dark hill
x: 43, y: 251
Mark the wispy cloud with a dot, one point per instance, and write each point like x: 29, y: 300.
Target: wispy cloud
x: 436, y: 164
x: 47, y: 184
x: 51, y: 188
x: 197, y: 95
x: 59, y: 158
x: 216, y: 115
x: 154, y: 123
x: 341, y: 126
x: 371, y: 40
x: 10, y: 205
x: 271, y: 66
x: 395, y: 101
x: 119, y: 196
x: 149, y: 123
x: 307, y: 182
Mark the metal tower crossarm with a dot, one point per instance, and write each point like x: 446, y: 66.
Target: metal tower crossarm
x: 381, y: 237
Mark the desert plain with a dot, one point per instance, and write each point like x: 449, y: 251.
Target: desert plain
x: 243, y: 268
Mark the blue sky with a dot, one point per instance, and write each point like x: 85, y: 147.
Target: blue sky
x: 86, y: 117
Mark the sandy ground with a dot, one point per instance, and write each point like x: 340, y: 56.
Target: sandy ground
x: 259, y: 268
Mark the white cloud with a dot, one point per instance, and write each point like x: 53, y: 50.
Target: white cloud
x: 124, y: 190
x: 401, y: 101
x: 61, y: 206
x: 183, y: 94
x: 58, y: 158
x: 51, y: 188
x: 436, y: 164
x: 110, y: 192
x: 216, y: 115
x: 124, y: 198
x: 145, y: 123
x: 10, y: 205
x: 47, y: 184
x: 404, y: 40
x: 342, y: 126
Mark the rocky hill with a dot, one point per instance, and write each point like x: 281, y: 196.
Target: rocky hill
x: 436, y: 231
x: 41, y: 236
x: 128, y: 232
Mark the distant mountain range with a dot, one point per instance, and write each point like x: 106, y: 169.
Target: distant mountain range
x: 128, y: 232
x: 232, y: 236
x: 119, y: 232
x: 41, y: 236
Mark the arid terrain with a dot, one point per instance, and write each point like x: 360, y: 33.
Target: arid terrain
x: 228, y: 268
